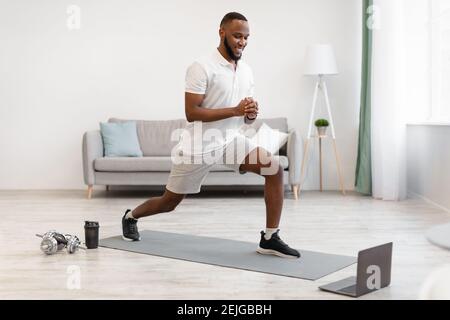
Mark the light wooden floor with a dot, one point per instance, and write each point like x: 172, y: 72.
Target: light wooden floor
x: 327, y: 222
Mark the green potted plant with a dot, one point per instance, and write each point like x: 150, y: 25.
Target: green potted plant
x: 321, y: 125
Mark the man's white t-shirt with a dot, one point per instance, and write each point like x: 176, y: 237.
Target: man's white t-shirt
x: 223, y: 87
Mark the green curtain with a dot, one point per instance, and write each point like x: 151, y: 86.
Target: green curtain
x: 363, y: 176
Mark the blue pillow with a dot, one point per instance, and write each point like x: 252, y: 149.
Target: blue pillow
x: 120, y: 139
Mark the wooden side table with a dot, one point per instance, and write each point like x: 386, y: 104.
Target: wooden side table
x: 305, y: 159
x: 320, y: 85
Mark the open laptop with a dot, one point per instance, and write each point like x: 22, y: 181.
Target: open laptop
x: 374, y: 272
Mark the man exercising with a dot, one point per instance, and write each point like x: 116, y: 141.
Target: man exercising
x: 219, y: 101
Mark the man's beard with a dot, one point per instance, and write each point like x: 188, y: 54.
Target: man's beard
x: 230, y: 51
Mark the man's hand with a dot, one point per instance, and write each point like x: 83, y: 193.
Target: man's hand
x: 247, y: 107
x: 250, y: 114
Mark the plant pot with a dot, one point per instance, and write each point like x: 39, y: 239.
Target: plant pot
x: 322, y: 131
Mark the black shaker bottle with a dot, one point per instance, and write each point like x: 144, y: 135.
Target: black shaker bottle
x: 91, y: 234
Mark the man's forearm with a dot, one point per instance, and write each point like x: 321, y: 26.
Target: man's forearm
x: 208, y: 115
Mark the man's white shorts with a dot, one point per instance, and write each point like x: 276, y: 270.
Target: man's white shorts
x: 188, y: 177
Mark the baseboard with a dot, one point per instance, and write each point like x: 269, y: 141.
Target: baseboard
x: 412, y: 194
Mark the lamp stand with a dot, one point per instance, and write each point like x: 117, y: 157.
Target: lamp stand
x: 320, y: 84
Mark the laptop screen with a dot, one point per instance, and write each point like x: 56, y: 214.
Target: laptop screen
x: 374, y: 268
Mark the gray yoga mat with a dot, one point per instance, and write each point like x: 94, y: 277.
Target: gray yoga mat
x: 230, y: 253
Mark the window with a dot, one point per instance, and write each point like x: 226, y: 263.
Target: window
x: 440, y: 59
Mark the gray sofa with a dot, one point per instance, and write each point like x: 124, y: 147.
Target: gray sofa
x: 154, y: 167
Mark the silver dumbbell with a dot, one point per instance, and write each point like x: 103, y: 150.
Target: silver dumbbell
x: 52, y: 242
x: 49, y: 245
x: 73, y: 243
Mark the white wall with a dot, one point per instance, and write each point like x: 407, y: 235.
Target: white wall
x: 428, y: 155
x: 129, y: 59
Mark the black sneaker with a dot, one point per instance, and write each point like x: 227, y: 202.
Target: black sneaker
x: 276, y: 246
x: 129, y: 228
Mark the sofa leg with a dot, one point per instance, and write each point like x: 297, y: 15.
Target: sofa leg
x: 89, y: 191
x: 295, y: 191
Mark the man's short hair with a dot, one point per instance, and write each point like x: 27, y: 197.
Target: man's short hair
x: 232, y: 16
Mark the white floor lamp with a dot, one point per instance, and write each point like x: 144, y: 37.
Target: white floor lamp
x: 319, y: 62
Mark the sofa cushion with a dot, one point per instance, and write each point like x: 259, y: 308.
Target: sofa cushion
x: 155, y: 135
x: 269, y: 139
x: 148, y: 164
x: 122, y: 164
x: 274, y: 123
x: 120, y: 139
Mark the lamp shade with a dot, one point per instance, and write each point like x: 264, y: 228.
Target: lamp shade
x: 320, y: 60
